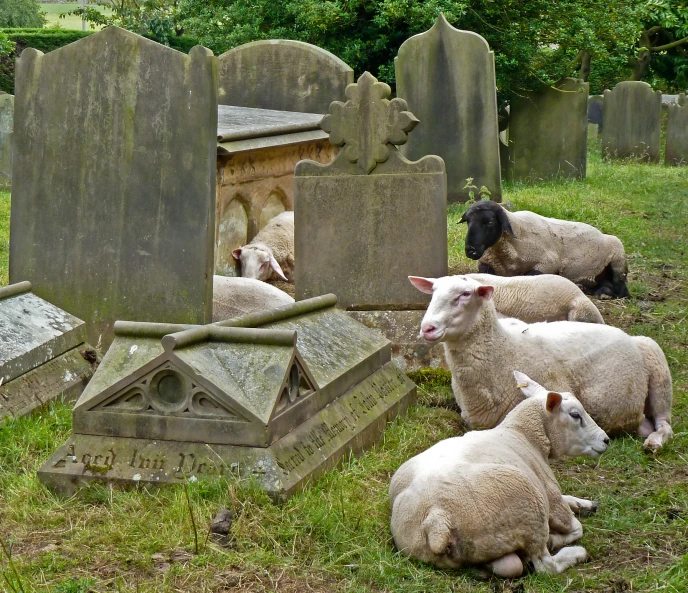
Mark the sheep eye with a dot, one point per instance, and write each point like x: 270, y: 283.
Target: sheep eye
x: 466, y: 293
x: 575, y: 416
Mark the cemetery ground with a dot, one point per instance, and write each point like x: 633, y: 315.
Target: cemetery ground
x: 335, y: 535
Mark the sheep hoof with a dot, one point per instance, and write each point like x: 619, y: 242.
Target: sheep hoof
x: 653, y: 443
x: 586, y: 512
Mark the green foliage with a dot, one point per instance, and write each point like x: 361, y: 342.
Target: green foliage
x: 21, y: 13
x: 669, y: 68
x: 6, y: 45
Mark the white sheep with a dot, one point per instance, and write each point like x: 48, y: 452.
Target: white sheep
x: 233, y: 297
x: 490, y: 497
x: 270, y: 254
x: 521, y: 243
x: 623, y: 381
x: 546, y: 297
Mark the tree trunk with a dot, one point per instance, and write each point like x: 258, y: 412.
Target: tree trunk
x: 583, y: 58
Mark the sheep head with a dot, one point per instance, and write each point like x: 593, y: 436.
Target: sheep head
x: 487, y: 221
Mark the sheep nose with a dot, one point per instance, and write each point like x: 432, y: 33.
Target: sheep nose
x: 427, y: 328
x: 605, y: 440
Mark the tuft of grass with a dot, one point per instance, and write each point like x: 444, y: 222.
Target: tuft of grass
x: 334, y: 536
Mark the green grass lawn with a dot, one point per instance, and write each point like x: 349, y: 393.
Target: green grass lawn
x: 53, y: 12
x: 335, y: 535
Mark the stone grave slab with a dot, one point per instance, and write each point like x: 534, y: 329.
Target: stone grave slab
x: 282, y: 74
x: 277, y: 396
x: 447, y: 76
x: 6, y: 128
x: 548, y: 132
x: 632, y: 115
x: 40, y: 352
x: 677, y: 132
x: 114, y: 173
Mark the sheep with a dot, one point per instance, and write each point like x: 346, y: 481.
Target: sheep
x: 490, y: 497
x: 520, y: 243
x: 270, y: 254
x: 233, y: 297
x: 546, y: 297
x: 623, y: 381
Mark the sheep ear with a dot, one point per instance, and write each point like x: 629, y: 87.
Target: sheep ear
x: 463, y: 218
x: 423, y: 284
x: 484, y: 292
x: 528, y: 387
x: 504, y: 221
x: 236, y: 253
x: 553, y: 401
x: 276, y: 268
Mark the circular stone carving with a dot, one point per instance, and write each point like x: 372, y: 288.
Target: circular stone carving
x: 169, y: 391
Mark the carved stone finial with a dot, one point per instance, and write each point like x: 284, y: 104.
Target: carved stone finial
x: 368, y: 123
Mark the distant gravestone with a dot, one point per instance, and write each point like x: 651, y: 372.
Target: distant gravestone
x: 447, y: 77
x: 113, y: 194
x: 677, y: 132
x: 42, y: 352
x: 548, y: 132
x: 632, y: 120
x: 277, y: 397
x: 6, y: 127
x: 595, y: 109
x: 282, y: 75
x: 369, y: 219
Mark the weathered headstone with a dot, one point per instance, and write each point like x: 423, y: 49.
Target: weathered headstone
x: 283, y: 75
x: 595, y: 110
x: 632, y: 120
x: 369, y: 219
x: 113, y: 194
x: 447, y: 77
x: 42, y: 352
x: 548, y: 132
x: 677, y: 132
x: 278, y: 396
x: 6, y: 127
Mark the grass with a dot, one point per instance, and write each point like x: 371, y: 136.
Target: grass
x: 334, y: 536
x: 53, y: 12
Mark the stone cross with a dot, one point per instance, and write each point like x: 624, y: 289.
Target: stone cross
x: 368, y: 125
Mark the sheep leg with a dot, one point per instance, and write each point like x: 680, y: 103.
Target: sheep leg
x: 486, y: 269
x: 559, y: 540
x: 646, y: 428
x: 508, y: 566
x: 581, y: 506
x: 565, y: 558
x: 660, y: 436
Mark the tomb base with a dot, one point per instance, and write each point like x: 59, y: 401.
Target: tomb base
x: 409, y: 352
x: 352, y: 422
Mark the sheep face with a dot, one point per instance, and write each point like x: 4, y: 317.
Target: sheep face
x: 454, y: 307
x: 570, y: 429
x: 257, y: 263
x: 486, y: 222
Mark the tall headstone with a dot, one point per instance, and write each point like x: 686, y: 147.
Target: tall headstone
x: 677, y: 132
x: 548, y: 132
x: 113, y: 193
x: 6, y: 126
x: 595, y: 108
x: 447, y: 77
x: 283, y: 75
x: 369, y: 219
x: 632, y: 119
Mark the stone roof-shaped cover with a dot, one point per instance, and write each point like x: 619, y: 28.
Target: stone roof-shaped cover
x: 245, y: 381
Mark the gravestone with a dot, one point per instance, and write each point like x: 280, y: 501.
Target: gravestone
x: 113, y: 194
x: 447, y: 77
x: 632, y: 120
x: 677, y: 132
x: 595, y: 110
x: 369, y: 219
x: 277, y: 396
x: 6, y: 127
x: 42, y: 352
x: 548, y: 132
x: 283, y: 75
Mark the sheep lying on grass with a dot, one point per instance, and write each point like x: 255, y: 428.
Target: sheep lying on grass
x: 540, y: 298
x: 519, y: 243
x: 233, y: 297
x: 270, y: 255
x: 623, y: 381
x: 490, y: 497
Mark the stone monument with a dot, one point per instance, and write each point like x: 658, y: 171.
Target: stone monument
x: 6, y: 127
x: 43, y: 354
x: 113, y: 193
x: 632, y: 119
x: 369, y: 219
x: 283, y: 75
x: 595, y: 109
x: 277, y: 396
x: 447, y: 77
x: 548, y: 132
x: 677, y: 132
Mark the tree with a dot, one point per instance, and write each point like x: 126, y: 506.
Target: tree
x: 21, y: 14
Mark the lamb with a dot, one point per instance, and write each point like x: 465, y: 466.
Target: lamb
x: 490, y: 497
x: 233, y: 297
x: 270, y: 254
x: 520, y: 243
x: 546, y: 297
x: 623, y: 381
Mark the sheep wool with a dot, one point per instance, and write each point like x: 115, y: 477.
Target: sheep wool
x: 233, y: 297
